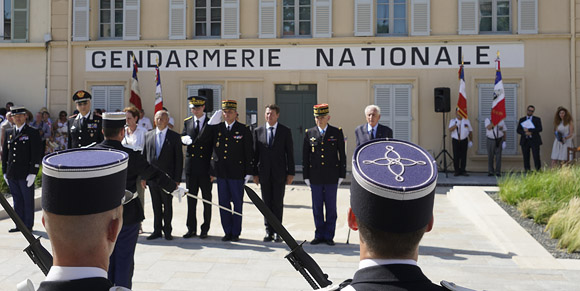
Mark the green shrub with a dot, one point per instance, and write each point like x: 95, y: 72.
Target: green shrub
x: 565, y: 226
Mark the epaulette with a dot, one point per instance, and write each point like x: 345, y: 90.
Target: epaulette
x: 306, y: 130
x: 73, y: 116
x: 340, y: 128
x: 454, y: 287
x: 188, y: 118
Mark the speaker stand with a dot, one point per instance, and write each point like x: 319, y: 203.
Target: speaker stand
x: 444, y: 153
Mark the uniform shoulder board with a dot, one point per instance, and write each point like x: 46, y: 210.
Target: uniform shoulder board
x: 452, y: 286
x: 188, y: 118
x: 306, y: 130
x: 73, y: 116
x: 340, y: 128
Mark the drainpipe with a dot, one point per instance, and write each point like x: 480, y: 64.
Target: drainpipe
x: 573, y: 63
x: 69, y: 56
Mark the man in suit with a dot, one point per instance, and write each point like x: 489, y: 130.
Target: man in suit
x: 324, y: 168
x: 273, y: 164
x: 372, y: 129
x: 163, y: 150
x: 530, y: 138
x: 391, y: 220
x: 122, y: 262
x: 232, y: 159
x: 82, y: 226
x: 85, y: 127
x: 197, y: 137
x: 21, y: 154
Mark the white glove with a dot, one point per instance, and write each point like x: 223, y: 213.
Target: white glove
x: 215, y: 118
x: 469, y: 144
x: 503, y: 145
x: 307, y: 181
x: 30, y: 180
x: 179, y: 192
x: 186, y: 140
x: 6, y: 179
x: 340, y: 181
x: 247, y: 178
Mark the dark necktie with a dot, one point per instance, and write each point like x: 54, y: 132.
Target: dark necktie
x: 271, y: 140
x: 83, y: 121
x: 229, y: 127
x: 197, y: 127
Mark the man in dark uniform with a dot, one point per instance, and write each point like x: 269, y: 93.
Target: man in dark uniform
x: 82, y: 225
x: 21, y: 154
x: 324, y: 162
x: 392, y: 197
x: 197, y: 137
x: 163, y: 150
x: 85, y: 127
x: 530, y: 138
x: 232, y: 160
x: 122, y: 260
x: 273, y: 164
x: 372, y: 129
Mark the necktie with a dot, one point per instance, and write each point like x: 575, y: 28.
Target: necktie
x: 197, y: 126
x: 83, y: 121
x: 229, y: 127
x: 322, y: 132
x: 271, y: 140
x: 159, y: 144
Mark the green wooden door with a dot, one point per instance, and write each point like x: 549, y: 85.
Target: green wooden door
x: 296, y: 102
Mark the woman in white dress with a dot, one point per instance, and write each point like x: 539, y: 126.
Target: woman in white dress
x: 564, y: 133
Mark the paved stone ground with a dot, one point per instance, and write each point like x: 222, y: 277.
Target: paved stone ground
x: 474, y: 243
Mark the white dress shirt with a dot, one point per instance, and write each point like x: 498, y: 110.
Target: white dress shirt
x: 463, y: 125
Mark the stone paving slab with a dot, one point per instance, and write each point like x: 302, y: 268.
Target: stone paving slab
x: 472, y: 244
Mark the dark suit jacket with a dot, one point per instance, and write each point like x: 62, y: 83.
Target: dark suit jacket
x: 198, y: 155
x: 91, y: 131
x: 170, y: 159
x: 274, y: 162
x: 535, y: 139
x: 232, y: 151
x: 323, y: 157
x: 362, y: 134
x: 392, y: 277
x: 21, y: 153
x: 87, y: 284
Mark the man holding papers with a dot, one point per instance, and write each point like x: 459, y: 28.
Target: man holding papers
x: 530, y: 127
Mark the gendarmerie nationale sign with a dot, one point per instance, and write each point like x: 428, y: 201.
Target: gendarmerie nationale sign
x: 369, y: 57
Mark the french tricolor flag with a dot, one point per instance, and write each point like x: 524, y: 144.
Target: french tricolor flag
x: 135, y: 95
x: 498, y: 104
x: 462, y: 101
x: 158, y: 93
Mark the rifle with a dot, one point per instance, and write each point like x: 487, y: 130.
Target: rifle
x: 37, y: 253
x: 299, y: 259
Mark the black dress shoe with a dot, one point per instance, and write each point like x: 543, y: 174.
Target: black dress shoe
x: 498, y: 175
x: 14, y: 229
x: 227, y: 237
x: 154, y: 236
x: 268, y: 238
x: 203, y: 235
x: 490, y: 174
x: 168, y: 236
x: 329, y: 242
x: 235, y: 238
x: 316, y: 241
x: 189, y: 234
x: 465, y: 174
x: 277, y: 238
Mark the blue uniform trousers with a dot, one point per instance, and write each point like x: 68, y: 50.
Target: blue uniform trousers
x: 23, y: 197
x: 231, y: 191
x: 121, y: 262
x: 324, y: 197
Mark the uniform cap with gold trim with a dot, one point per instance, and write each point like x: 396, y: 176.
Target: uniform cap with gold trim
x: 321, y: 109
x: 230, y: 104
x: 196, y: 101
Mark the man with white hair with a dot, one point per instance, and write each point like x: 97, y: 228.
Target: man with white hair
x: 372, y: 129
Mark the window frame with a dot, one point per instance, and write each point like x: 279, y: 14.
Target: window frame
x: 391, y: 18
x: 297, y: 20
x: 208, y: 20
x: 494, y: 17
x: 112, y: 21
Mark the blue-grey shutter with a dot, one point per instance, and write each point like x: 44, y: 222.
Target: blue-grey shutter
x: 395, y: 103
x: 131, y: 18
x: 468, y: 16
x: 528, y: 16
x: 110, y: 98
x: 20, y: 16
x: 230, y: 19
x: 363, y: 17
x: 383, y: 100
x: 267, y: 19
x: 322, y: 23
x: 420, y: 17
x: 177, y: 9
x: 100, y: 95
x: 80, y: 20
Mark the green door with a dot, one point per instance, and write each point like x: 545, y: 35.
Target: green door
x: 296, y: 102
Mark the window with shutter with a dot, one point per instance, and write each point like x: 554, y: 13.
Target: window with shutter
x: 468, y: 16
x: 81, y: 20
x: 395, y: 103
x: 363, y: 17
x: 193, y: 90
x: 420, y: 17
x: 230, y: 19
x: 20, y: 20
x: 528, y: 16
x: 177, y: 9
x: 131, y: 16
x: 267, y: 21
x: 391, y: 17
x: 322, y: 21
x: 109, y: 98
x: 297, y: 18
x: 485, y: 92
x: 207, y: 18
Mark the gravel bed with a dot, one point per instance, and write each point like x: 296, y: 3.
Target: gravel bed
x: 535, y: 230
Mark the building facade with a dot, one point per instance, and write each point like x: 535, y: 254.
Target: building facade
x: 297, y: 53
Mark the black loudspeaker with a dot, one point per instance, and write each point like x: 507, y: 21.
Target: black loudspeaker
x: 208, y: 94
x: 442, y: 101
